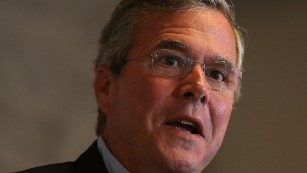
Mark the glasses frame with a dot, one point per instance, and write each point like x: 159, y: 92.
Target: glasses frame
x: 211, y: 83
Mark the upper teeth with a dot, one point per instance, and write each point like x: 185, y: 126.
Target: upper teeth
x: 187, y: 122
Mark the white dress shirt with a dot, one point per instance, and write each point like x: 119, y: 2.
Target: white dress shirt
x: 112, y: 164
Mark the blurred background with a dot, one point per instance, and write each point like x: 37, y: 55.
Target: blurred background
x: 47, y: 104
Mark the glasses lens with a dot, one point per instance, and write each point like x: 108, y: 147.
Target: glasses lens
x: 170, y: 63
x: 221, y: 77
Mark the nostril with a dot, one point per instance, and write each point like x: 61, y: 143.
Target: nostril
x: 203, y: 99
x: 188, y: 94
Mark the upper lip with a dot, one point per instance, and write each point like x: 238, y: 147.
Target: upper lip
x: 196, y: 121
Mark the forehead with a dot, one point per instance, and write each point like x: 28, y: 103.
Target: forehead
x: 202, y: 30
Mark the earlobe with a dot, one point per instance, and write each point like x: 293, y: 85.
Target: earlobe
x: 102, y: 88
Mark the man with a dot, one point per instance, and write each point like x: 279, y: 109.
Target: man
x: 167, y: 76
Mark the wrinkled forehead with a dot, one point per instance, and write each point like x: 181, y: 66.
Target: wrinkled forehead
x: 199, y: 18
x: 198, y: 27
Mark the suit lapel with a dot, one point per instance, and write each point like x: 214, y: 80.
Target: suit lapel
x: 90, y: 161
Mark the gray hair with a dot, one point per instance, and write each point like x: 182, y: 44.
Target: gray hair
x: 118, y: 35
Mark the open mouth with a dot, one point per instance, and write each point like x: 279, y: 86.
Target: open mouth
x: 185, y: 125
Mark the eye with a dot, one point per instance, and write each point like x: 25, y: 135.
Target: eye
x: 216, y: 75
x: 170, y: 61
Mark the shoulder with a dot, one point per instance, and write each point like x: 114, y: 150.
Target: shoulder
x: 89, y: 161
x: 66, y: 167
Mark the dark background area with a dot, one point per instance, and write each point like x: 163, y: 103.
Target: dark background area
x: 47, y: 104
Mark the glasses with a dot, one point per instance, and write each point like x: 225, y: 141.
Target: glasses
x: 220, y: 74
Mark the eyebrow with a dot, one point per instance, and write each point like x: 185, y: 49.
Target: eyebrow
x: 225, y: 62
x: 171, y: 44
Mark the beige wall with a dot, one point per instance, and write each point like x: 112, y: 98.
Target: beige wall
x: 47, y: 105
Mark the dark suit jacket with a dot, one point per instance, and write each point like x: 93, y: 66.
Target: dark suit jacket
x: 90, y: 161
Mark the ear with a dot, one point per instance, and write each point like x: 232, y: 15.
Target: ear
x: 102, y: 88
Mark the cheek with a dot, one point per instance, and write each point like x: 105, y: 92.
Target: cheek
x: 220, y: 108
x: 144, y: 95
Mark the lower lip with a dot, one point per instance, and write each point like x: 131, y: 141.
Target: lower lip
x: 182, y: 133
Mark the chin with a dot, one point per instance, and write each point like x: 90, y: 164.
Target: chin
x: 186, y: 166
x: 182, y: 161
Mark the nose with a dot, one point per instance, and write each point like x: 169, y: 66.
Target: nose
x: 194, y: 86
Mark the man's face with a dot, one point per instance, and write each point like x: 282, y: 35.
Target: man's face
x: 156, y: 123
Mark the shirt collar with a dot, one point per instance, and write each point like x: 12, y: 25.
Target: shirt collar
x: 112, y: 164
